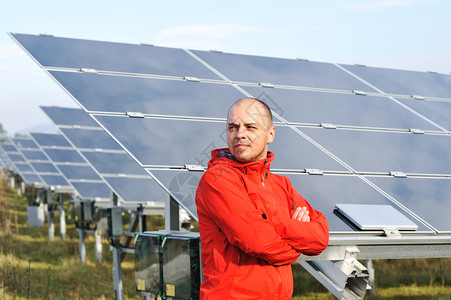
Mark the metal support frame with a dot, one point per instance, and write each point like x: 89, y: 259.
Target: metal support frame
x: 120, y: 250
x: 338, y: 269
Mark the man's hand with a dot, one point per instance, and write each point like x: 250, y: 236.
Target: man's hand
x: 301, y: 214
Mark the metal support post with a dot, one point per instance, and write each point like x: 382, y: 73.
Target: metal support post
x: 12, y: 182
x: 98, y: 246
x: 171, y: 215
x: 371, y: 278
x: 62, y: 217
x: 117, y: 272
x: 48, y: 197
x: 81, y: 245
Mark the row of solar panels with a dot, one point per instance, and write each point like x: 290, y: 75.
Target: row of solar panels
x: 83, y: 159
x: 376, y: 136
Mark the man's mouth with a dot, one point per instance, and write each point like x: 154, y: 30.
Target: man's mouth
x: 239, y: 146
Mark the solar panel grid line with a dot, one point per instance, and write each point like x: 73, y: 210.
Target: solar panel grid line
x: 102, y: 150
x: 79, y: 127
x: 143, y: 75
x: 120, y: 175
x: 87, y: 180
x: 311, y: 89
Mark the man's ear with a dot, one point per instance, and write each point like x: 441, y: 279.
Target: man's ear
x: 271, y: 134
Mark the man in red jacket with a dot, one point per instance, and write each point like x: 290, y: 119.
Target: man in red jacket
x: 253, y: 224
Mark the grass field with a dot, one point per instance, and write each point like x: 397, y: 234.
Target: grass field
x: 32, y: 267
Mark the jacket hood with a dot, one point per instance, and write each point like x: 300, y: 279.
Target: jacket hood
x: 223, y: 157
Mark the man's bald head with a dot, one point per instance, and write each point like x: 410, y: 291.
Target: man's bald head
x: 255, y: 107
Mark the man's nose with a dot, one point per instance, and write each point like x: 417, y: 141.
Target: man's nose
x: 241, y: 132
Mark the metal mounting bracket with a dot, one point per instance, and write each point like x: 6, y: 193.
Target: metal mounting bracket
x: 392, y: 233
x: 194, y: 168
x: 346, y: 279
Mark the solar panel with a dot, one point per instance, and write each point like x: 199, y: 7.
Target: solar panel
x: 50, y: 139
x: 75, y: 53
x: 403, y: 82
x: 25, y: 143
x: 113, y: 163
x: 96, y: 92
x: 68, y: 116
x: 79, y: 172
x: 44, y: 167
x: 33, y: 155
x: 374, y: 151
x: 8, y: 147
x: 16, y: 157
x: 166, y: 121
x: 92, y: 190
x: 90, y: 139
x: 24, y: 167
x: 280, y: 71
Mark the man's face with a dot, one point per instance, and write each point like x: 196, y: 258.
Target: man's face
x: 249, y: 131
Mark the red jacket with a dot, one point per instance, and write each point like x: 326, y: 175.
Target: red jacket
x: 247, y: 235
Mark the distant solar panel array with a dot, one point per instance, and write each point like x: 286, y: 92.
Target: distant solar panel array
x: 109, y: 164
x: 344, y: 133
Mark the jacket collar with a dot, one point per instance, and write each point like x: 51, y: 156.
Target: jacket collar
x: 223, y: 157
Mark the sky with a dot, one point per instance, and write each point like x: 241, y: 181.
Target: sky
x: 399, y: 34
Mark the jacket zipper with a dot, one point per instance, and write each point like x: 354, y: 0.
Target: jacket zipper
x: 270, y: 194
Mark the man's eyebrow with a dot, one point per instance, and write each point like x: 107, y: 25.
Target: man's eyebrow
x: 247, y: 123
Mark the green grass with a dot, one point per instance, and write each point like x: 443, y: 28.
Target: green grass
x: 32, y: 267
